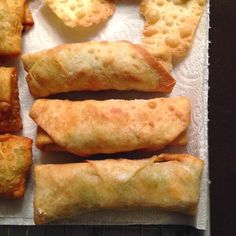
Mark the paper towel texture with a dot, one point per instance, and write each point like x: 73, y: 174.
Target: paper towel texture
x: 192, y: 81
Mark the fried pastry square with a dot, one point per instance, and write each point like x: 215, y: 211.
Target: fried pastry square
x: 82, y: 12
x: 10, y: 119
x: 11, y: 29
x: 171, y: 24
x: 15, y: 162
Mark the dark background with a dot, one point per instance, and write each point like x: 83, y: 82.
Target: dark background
x: 222, y: 115
x: 222, y: 143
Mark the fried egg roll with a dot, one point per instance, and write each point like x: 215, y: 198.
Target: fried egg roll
x: 91, y: 127
x: 168, y: 182
x: 95, y: 66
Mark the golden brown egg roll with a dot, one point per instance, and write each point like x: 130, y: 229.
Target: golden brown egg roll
x: 15, y: 162
x: 95, y: 66
x: 11, y: 27
x: 169, y: 182
x: 91, y: 127
x: 10, y: 119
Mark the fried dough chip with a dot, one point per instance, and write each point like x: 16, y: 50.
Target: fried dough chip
x: 10, y: 119
x: 82, y: 12
x: 15, y: 162
x: 171, y: 24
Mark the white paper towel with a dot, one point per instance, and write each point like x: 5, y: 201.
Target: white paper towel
x: 192, y: 81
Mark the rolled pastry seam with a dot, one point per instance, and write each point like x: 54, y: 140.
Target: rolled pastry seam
x: 95, y: 66
x: 162, y: 54
x: 91, y: 127
x: 168, y: 182
x: 45, y: 143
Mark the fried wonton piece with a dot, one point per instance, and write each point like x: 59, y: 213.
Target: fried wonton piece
x: 10, y: 119
x: 91, y: 127
x: 10, y: 30
x: 168, y: 182
x: 82, y: 12
x: 171, y: 24
x: 95, y: 66
x: 15, y: 162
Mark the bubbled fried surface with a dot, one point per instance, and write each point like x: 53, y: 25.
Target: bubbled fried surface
x: 171, y: 23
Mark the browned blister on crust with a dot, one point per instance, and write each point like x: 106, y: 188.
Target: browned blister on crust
x: 10, y: 118
x: 15, y: 162
x: 95, y: 66
x: 168, y: 182
x: 91, y: 127
x: 82, y: 12
x: 171, y: 24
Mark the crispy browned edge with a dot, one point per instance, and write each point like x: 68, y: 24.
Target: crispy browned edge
x: 164, y: 157
x: 14, y: 122
x: 19, y: 193
x: 46, y: 143
x: 51, y: 146
x: 167, y: 82
x: 28, y: 20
